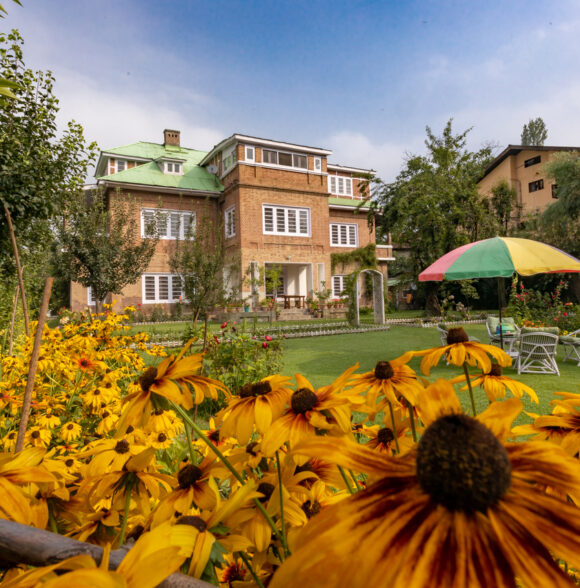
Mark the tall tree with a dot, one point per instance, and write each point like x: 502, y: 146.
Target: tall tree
x: 504, y: 203
x: 201, y: 262
x: 101, y: 245
x: 433, y: 205
x: 535, y: 132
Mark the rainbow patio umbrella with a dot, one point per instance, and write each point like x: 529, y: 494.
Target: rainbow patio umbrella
x: 500, y: 257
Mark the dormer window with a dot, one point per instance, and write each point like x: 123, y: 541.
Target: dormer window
x: 228, y: 160
x: 172, y: 167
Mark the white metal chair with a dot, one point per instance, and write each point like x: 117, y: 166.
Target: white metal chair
x: 537, y: 353
x: 571, y: 343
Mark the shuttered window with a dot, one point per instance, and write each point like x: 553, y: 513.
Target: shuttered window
x: 168, y: 224
x: 338, y: 285
x: 340, y: 185
x: 343, y: 235
x: 282, y: 220
x: 162, y: 288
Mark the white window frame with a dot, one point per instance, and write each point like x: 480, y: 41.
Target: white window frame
x: 229, y: 160
x: 340, y: 281
x: 340, y: 185
x: 283, y: 215
x: 230, y: 222
x: 293, y: 155
x: 169, y: 216
x: 250, y: 153
x: 157, y: 279
x: 91, y: 300
x: 114, y: 163
x: 343, y: 235
x: 317, y: 164
x: 174, y: 168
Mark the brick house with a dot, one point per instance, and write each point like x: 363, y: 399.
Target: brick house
x: 522, y: 166
x: 280, y: 205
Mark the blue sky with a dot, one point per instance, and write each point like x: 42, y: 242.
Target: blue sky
x: 362, y: 78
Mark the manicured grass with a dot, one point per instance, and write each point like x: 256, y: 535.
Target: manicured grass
x: 322, y: 359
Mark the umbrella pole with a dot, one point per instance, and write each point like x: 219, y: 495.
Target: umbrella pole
x: 500, y: 302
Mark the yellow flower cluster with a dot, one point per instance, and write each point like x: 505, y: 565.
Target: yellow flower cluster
x: 289, y: 483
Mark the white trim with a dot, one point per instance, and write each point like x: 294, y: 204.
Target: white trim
x: 154, y: 188
x: 346, y: 207
x: 168, y: 232
x: 292, y: 155
x: 347, y: 233
x: 91, y: 300
x: 286, y: 220
x: 334, y: 183
x: 247, y: 149
x: 157, y: 287
x: 317, y: 164
x: 345, y: 168
x: 282, y: 167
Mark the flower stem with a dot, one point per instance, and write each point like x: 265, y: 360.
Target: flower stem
x: 394, y: 427
x: 250, y: 569
x: 412, y: 419
x: 190, y: 445
x: 468, y: 380
x: 188, y: 421
x: 282, y: 524
x: 125, y: 515
x: 358, y: 488
x: 342, y: 473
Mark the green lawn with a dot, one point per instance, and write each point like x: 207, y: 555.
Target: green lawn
x: 322, y: 359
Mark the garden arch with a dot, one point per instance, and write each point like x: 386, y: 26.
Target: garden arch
x: 378, y: 296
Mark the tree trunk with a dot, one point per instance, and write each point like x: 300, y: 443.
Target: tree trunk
x: 432, y: 307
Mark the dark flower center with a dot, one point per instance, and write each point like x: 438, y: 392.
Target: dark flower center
x: 214, y: 436
x: 495, y: 370
x: 383, y: 370
x: 35, y: 434
x: 307, y: 467
x: 122, y: 446
x: 130, y: 429
x: 147, y: 378
x: 385, y: 436
x: 311, y: 508
x: 233, y: 573
x: 161, y: 437
x: 69, y: 463
x: 256, y: 389
x: 188, y: 476
x: 462, y: 465
x: 70, y: 426
x: 158, y: 411
x: 106, y: 414
x: 457, y: 335
x: 96, y: 392
x: 303, y: 400
x: 266, y: 489
x: 84, y: 362
x: 196, y: 522
x: 250, y: 448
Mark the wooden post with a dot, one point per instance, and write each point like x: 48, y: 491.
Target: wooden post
x: 19, y: 269
x: 33, y: 365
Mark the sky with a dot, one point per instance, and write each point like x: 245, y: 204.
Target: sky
x: 362, y: 78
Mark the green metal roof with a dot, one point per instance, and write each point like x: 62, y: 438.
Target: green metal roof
x: 194, y: 177
x: 337, y: 201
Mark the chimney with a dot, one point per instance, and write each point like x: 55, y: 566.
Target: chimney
x: 171, y: 137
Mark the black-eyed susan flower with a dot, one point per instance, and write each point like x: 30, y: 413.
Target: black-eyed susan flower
x: 388, y: 382
x: 495, y: 384
x: 460, y: 350
x: 382, y: 436
x: 173, y: 379
x: 38, y: 437
x: 462, y: 509
x: 258, y: 404
x: 311, y: 412
x: 70, y: 432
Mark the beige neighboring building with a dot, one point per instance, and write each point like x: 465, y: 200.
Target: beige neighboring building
x: 523, y: 166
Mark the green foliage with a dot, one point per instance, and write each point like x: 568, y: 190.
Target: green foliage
x: 535, y: 132
x: 364, y: 257
x: 565, y: 170
x: 201, y: 262
x: 101, y: 244
x: 504, y: 203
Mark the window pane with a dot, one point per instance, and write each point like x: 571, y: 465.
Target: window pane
x: 332, y: 184
x: 163, y: 287
x: 348, y: 186
x: 340, y: 185
x: 249, y: 153
x: 120, y: 165
x: 176, y: 292
x: 285, y: 159
x: 269, y: 156
x: 268, y: 219
x: 343, y: 238
x: 148, y: 223
x: 352, y: 235
x: 334, y: 234
x: 150, y: 288
x: 162, y: 219
x: 280, y: 220
x: 300, y: 161
x: 303, y: 222
x: 291, y: 221
x: 175, y: 223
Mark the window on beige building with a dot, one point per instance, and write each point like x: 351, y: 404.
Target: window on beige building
x: 284, y: 159
x: 338, y: 285
x: 285, y: 220
x: 343, y: 235
x: 340, y: 185
x: 159, y: 288
x: 535, y: 186
x: 169, y: 224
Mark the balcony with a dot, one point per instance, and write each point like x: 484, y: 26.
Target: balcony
x: 384, y: 253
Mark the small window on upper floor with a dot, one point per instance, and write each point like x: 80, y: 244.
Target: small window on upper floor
x: 340, y: 185
x: 228, y: 160
x: 317, y: 164
x: 554, y: 190
x: 172, y: 167
x: 535, y: 186
x: 118, y: 165
x: 250, y: 153
x: 532, y: 161
x: 284, y: 159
